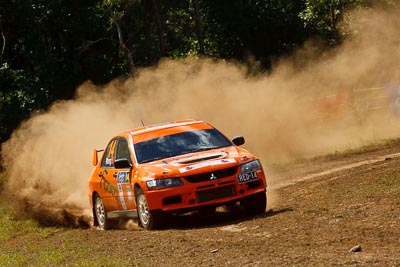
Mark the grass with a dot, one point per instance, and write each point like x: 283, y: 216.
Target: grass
x: 10, y: 228
x: 68, y: 256
x: 26, y: 229
x: 370, y: 147
x: 55, y: 257
x: 387, y: 185
x: 367, y: 148
x: 24, y: 242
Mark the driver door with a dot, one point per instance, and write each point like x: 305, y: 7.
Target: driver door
x: 123, y: 176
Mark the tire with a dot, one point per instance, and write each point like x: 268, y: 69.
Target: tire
x: 101, y: 214
x: 148, y: 219
x: 255, y: 204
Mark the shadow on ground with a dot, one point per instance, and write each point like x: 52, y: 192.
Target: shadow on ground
x: 221, y: 217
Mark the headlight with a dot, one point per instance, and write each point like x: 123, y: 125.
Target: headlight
x: 250, y: 166
x: 163, y: 183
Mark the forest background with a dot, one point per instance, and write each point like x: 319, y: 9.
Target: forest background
x: 49, y: 47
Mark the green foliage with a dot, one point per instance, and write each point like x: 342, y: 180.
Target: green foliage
x: 49, y: 47
x: 20, y: 93
x: 259, y: 28
x: 324, y: 16
x: 114, y: 9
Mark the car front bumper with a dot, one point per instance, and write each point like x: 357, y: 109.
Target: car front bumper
x: 207, y: 193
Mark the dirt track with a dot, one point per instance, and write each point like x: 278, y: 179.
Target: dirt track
x: 313, y: 221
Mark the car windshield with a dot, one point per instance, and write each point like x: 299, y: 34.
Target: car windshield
x: 179, y: 144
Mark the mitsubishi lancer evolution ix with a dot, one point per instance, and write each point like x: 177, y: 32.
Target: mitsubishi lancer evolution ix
x: 174, y: 167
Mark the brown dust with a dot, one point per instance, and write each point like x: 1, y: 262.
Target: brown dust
x: 303, y: 108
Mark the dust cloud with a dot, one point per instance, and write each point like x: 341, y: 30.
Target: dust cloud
x: 316, y: 101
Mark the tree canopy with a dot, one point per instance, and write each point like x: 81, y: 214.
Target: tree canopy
x: 48, y: 47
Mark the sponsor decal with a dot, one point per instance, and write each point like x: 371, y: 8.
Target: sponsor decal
x: 206, y: 164
x: 108, y: 187
x: 129, y: 192
x: 123, y: 177
x: 121, y: 196
x: 118, y: 194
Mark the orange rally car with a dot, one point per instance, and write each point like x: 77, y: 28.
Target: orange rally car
x: 173, y: 168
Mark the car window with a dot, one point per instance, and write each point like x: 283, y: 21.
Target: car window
x: 179, y: 144
x: 109, y: 155
x: 123, y: 150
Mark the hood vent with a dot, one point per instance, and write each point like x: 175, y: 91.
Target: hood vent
x: 200, y: 159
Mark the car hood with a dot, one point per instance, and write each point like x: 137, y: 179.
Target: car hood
x: 198, y: 162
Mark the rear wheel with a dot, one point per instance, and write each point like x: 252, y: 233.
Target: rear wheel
x: 101, y: 214
x: 148, y: 219
x: 255, y: 204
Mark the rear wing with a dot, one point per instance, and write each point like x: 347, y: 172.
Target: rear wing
x: 95, y: 160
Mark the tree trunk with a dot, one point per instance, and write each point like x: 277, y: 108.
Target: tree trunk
x: 199, y: 24
x: 3, y: 47
x: 146, y: 14
x: 163, y: 49
x: 127, y: 51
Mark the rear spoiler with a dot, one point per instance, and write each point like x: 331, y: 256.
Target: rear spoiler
x: 95, y: 156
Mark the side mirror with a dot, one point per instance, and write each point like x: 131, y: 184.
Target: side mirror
x: 238, y: 140
x: 122, y: 163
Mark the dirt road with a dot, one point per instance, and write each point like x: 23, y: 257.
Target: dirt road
x: 318, y: 210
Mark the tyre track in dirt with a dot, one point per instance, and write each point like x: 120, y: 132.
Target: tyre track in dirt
x: 292, y: 180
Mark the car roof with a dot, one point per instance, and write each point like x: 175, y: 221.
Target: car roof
x: 161, y: 126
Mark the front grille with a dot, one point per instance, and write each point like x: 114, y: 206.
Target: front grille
x: 221, y: 192
x: 207, y: 175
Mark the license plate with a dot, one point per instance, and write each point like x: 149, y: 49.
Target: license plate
x: 247, y: 177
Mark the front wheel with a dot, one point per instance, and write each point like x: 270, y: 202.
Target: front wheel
x: 101, y: 214
x: 148, y: 219
x: 255, y: 204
